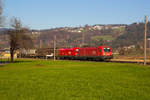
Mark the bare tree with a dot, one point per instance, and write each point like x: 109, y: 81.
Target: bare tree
x: 1, y: 7
x: 18, y: 37
x: 1, y: 11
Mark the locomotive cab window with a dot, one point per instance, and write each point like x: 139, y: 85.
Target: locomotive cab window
x: 77, y: 50
x: 106, y: 49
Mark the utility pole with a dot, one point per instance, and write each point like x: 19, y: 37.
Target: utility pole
x: 54, y: 47
x: 145, y: 35
x: 83, y: 38
x: 40, y: 39
x: 40, y: 43
x: 67, y: 42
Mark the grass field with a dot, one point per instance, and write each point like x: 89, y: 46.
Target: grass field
x: 74, y: 80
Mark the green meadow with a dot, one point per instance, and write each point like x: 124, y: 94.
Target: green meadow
x: 73, y: 80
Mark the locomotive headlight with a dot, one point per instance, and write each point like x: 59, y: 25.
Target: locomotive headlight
x: 76, y: 54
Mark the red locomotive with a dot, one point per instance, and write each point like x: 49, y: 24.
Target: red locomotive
x: 86, y: 53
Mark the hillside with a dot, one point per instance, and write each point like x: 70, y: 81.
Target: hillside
x: 133, y: 35
x: 113, y: 35
x: 67, y: 36
x: 72, y: 36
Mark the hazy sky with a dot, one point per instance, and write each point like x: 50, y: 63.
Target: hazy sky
x: 43, y: 14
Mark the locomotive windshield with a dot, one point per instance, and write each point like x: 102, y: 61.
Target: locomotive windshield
x: 77, y: 50
x: 106, y: 49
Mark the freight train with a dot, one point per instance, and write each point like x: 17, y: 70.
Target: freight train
x: 85, y: 53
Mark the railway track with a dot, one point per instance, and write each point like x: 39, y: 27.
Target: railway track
x: 128, y: 61
x: 118, y: 61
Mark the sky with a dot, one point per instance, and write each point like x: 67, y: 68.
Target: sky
x: 45, y: 14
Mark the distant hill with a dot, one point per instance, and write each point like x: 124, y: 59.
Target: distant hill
x: 133, y: 35
x: 2, y: 30
x: 72, y: 36
x: 115, y: 35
